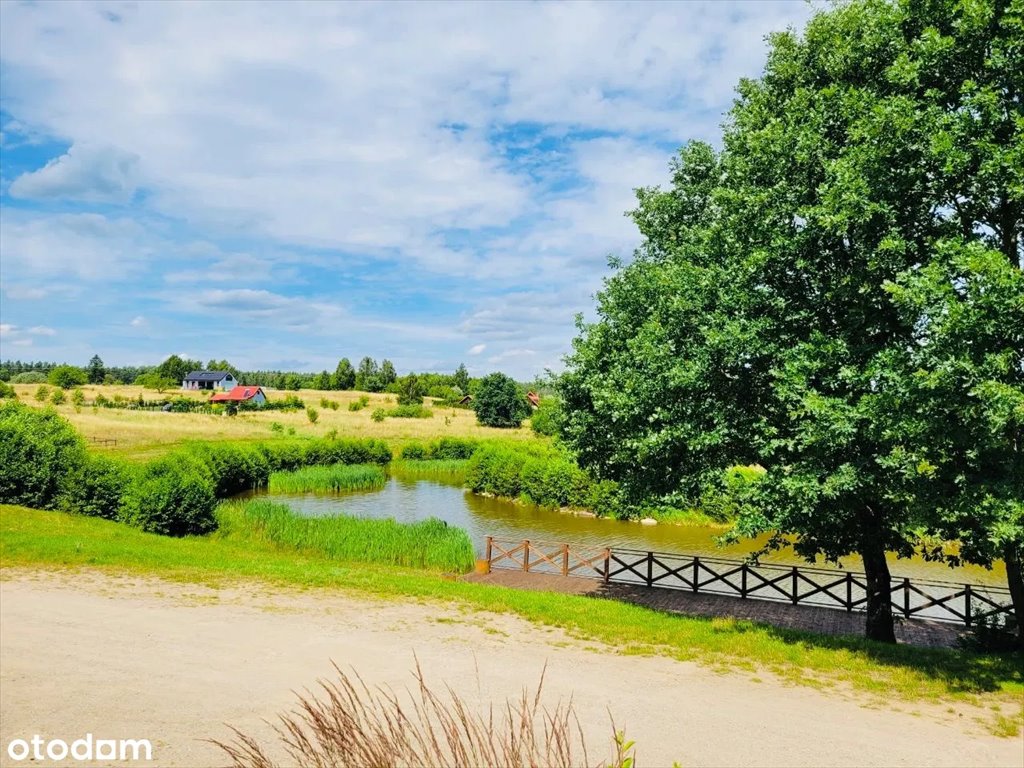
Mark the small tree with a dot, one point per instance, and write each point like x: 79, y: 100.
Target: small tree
x: 344, y: 375
x: 387, y: 373
x: 368, y: 376
x: 67, y: 376
x: 499, y: 403
x: 312, y: 414
x: 410, y: 392
x: 461, y: 379
x: 96, y: 370
x: 42, y: 393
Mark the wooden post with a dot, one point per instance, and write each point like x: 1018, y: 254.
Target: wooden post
x: 650, y: 569
x: 849, y: 592
x: 743, y: 580
x: 565, y: 559
x: 796, y: 586
x: 906, y: 598
x: 967, y: 604
x: 526, y: 555
x: 696, y: 572
x: 489, y: 551
x: 607, y: 565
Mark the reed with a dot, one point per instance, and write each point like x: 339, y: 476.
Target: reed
x: 332, y: 479
x: 351, y: 724
x: 430, y: 544
x: 442, y: 470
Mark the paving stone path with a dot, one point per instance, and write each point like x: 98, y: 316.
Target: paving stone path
x: 824, y: 621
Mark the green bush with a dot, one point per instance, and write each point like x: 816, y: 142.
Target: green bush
x: 43, y: 393
x: 410, y: 412
x: 379, y: 414
x: 328, y: 404
x: 415, y: 452
x: 6, y: 390
x: 312, y: 414
x: 546, y: 419
x: 58, y: 397
x: 452, y: 448
x: 95, y: 488
x: 499, y: 403
x: 29, y: 377
x: 172, y: 496
x: 77, y: 397
x: 67, y: 376
x: 38, y: 449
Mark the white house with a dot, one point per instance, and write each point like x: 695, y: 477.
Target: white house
x: 221, y: 380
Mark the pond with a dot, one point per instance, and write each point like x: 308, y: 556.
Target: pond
x: 408, y: 500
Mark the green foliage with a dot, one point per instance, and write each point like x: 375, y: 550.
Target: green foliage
x: 461, y: 379
x: 29, y: 377
x: 6, y: 390
x: 77, y: 397
x: 67, y: 376
x: 368, y: 376
x: 499, y: 403
x: 379, y: 414
x: 344, y: 375
x: 387, y: 373
x: 57, y: 397
x: 156, y: 381
x: 358, y: 405
x: 410, y: 391
x: 445, y: 448
x: 823, y: 298
x: 42, y: 393
x: 546, y: 417
x: 414, y: 451
x: 174, y: 369
x: 410, y: 412
x: 992, y: 634
x: 95, y: 487
x: 540, y: 475
x: 331, y: 479
x: 430, y: 544
x: 38, y: 449
x: 96, y: 372
x: 312, y: 414
x: 171, y: 496
x: 329, y: 404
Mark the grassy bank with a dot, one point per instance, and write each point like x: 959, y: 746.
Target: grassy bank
x: 330, y: 479
x: 53, y: 539
x: 430, y: 544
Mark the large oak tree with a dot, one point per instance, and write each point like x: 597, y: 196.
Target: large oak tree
x: 790, y: 303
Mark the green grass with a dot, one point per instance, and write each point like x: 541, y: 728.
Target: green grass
x: 444, y: 470
x: 331, y: 478
x: 892, y: 673
x: 429, y: 544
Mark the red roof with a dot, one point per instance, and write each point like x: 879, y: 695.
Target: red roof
x: 534, y: 398
x: 236, y: 395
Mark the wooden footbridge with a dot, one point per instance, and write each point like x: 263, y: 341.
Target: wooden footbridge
x: 944, y: 601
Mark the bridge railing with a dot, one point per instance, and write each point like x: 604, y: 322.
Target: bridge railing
x: 796, y: 585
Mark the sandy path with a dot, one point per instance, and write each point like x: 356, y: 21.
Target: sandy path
x: 142, y: 658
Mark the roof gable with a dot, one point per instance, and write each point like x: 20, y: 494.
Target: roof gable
x: 207, y: 375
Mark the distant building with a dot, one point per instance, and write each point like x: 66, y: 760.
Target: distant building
x: 221, y: 380
x: 466, y: 400
x: 534, y: 399
x: 241, y: 395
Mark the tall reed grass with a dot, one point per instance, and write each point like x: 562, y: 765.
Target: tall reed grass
x: 332, y: 479
x: 452, y: 471
x: 430, y: 544
x: 351, y: 724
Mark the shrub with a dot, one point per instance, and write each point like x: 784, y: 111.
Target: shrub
x: 67, y: 376
x: 170, y: 496
x: 58, y: 397
x: 101, y: 400
x: 156, y: 381
x: 498, y: 402
x: 233, y: 467
x: 546, y: 419
x: 414, y: 451
x: 410, y: 412
x: 329, y: 404
x: 43, y: 393
x: 38, y: 449
x: 312, y: 414
x: 29, y: 377
x: 358, y: 405
x: 453, y: 448
x: 95, y: 488
x: 378, y: 414
x: 6, y: 390
x: 77, y: 397
x: 276, y: 426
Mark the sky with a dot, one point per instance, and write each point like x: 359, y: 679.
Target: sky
x: 283, y: 185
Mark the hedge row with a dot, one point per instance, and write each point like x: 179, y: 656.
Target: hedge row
x: 44, y: 464
x: 444, y: 448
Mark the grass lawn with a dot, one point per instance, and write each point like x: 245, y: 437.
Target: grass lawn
x: 143, y: 435
x: 32, y: 538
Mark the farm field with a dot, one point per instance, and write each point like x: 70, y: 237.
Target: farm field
x: 143, y: 434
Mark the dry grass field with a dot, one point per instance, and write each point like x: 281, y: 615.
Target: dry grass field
x: 145, y: 434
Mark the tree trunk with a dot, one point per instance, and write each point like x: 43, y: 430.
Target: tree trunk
x: 1015, y: 580
x: 879, y: 598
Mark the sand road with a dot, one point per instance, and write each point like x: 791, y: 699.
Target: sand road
x: 128, y: 657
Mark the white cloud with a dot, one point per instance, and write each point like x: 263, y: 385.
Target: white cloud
x: 476, y: 349
x: 42, y: 330
x: 137, y: 322
x: 6, y: 329
x: 88, y: 173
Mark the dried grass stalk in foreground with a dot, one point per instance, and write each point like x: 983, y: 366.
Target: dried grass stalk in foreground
x: 349, y: 725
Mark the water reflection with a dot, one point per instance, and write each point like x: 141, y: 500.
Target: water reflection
x: 408, y: 500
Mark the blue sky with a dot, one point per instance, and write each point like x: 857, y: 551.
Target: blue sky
x: 282, y: 185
